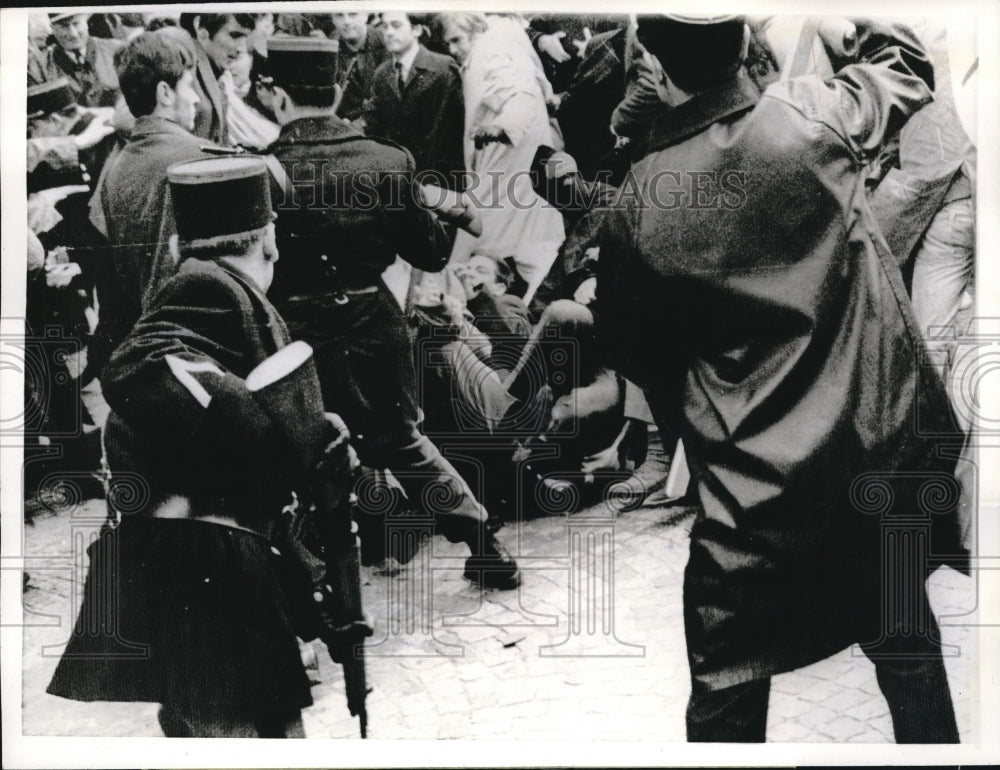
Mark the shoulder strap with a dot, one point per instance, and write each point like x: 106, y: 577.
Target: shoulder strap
x: 798, y: 63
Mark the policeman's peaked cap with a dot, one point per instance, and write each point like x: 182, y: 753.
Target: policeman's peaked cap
x: 696, y: 50
x: 213, y: 197
x: 701, y: 19
x: 302, y: 62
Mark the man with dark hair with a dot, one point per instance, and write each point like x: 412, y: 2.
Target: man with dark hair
x: 117, y: 26
x: 416, y: 101
x: 361, y: 52
x: 220, y: 38
x: 329, y: 286
x: 157, y: 77
x: 86, y: 61
x: 811, y: 428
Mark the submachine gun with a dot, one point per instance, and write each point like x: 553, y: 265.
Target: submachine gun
x: 319, y: 541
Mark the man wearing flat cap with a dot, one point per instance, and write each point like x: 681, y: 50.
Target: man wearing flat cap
x: 201, y: 624
x: 87, y: 62
x: 815, y: 437
x: 346, y: 208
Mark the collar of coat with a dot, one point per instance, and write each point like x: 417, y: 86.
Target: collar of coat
x: 209, y: 80
x: 421, y: 63
x: 148, y: 124
x: 736, y: 95
x: 316, y: 130
x: 69, y: 63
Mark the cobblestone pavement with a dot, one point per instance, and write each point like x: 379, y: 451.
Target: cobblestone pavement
x: 591, y: 646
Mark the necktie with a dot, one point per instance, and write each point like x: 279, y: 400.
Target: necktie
x: 399, y: 76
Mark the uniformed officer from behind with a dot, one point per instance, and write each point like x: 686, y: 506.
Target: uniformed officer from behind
x: 345, y: 210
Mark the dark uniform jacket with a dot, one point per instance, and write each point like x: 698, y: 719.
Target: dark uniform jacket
x: 427, y: 117
x: 345, y: 210
x: 585, y: 111
x: 226, y: 458
x: 200, y: 621
x: 792, y: 361
x: 139, y: 219
x: 94, y: 81
x: 573, y: 24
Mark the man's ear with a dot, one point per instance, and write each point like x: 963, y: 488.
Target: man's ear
x: 164, y: 95
x: 200, y: 33
x: 281, y: 103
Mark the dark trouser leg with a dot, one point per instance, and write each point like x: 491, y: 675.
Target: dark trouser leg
x: 286, y: 725
x: 431, y: 483
x: 365, y: 365
x: 560, y: 352
x: 911, y: 675
x: 736, y: 714
x: 172, y: 723
x: 176, y: 724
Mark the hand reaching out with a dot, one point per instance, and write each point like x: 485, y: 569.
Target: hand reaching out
x: 551, y: 46
x: 581, y: 45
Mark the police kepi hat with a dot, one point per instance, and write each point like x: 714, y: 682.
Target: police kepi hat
x: 213, y: 197
x: 302, y: 62
x: 46, y: 98
x: 701, y: 19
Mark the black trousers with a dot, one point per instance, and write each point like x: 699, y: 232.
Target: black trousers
x: 910, y: 673
x: 364, y: 360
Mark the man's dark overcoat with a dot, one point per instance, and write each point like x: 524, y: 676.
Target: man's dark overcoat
x: 789, y: 360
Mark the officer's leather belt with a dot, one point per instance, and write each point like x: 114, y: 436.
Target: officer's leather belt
x: 354, y: 291
x: 183, y: 507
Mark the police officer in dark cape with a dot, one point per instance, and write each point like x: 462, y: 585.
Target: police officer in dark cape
x: 182, y: 604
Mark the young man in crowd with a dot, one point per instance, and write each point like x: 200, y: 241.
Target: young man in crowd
x: 416, y: 101
x: 158, y: 82
x: 219, y: 38
x: 329, y: 288
x: 361, y: 52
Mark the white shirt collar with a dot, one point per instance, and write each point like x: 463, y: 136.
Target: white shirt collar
x: 407, y: 60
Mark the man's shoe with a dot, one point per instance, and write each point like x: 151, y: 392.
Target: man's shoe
x: 646, y: 485
x: 495, y: 568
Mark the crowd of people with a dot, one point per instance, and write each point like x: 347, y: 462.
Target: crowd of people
x: 571, y: 245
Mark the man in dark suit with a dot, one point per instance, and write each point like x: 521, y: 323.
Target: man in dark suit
x: 346, y: 210
x: 219, y: 38
x: 157, y: 76
x: 200, y: 623
x: 416, y: 101
x: 86, y: 61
